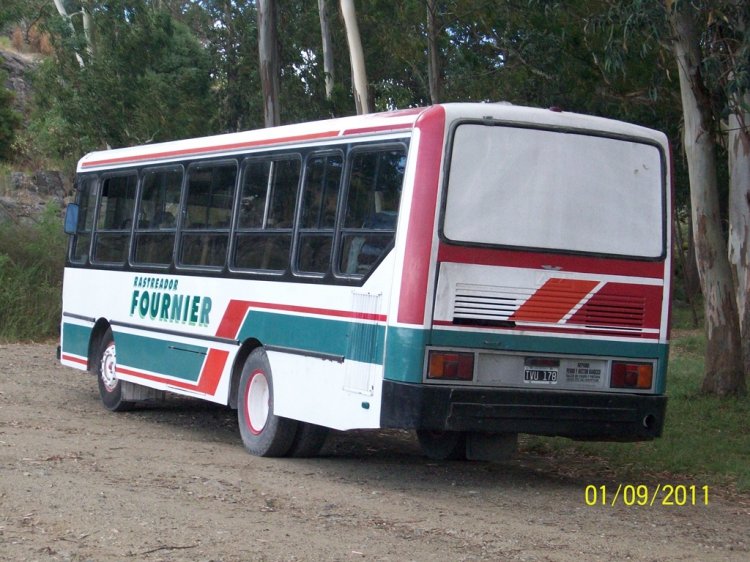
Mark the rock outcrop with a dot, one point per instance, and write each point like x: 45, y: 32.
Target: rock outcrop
x: 18, y: 66
x: 24, y: 195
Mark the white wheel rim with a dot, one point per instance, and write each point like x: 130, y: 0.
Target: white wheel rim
x: 257, y: 402
x: 108, y: 368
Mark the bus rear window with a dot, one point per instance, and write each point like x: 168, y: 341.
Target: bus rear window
x: 555, y: 190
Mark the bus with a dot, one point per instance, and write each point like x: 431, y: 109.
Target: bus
x: 467, y: 271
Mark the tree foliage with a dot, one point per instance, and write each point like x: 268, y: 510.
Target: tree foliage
x: 146, y: 79
x: 9, y: 120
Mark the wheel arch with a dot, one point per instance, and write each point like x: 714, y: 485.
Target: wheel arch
x: 95, y: 341
x: 246, y: 348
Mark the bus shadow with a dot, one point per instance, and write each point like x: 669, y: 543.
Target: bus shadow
x: 394, y: 460
x: 386, y: 458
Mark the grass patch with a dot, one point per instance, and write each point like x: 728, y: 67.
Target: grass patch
x: 705, y: 439
x: 31, y: 269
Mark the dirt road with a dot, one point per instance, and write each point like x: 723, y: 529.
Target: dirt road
x: 172, y: 482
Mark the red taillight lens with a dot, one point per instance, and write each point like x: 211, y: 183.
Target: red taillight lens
x: 449, y: 365
x: 631, y: 375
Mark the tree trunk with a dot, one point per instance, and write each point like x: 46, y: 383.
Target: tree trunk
x: 685, y: 256
x: 359, y: 76
x: 433, y: 53
x: 325, y: 35
x: 64, y: 14
x: 723, y: 366
x: 268, y: 49
x: 691, y: 275
x: 738, y: 149
x: 88, y: 26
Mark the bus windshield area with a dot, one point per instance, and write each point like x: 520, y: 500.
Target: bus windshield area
x: 555, y: 190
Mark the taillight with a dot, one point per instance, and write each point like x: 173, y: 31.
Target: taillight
x: 631, y: 375
x: 449, y: 365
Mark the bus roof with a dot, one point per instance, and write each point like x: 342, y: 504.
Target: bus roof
x: 374, y: 123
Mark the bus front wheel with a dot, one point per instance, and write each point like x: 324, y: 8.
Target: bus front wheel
x: 263, y: 433
x: 105, y: 368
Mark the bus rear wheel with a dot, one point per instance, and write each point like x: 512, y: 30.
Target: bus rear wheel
x: 308, y: 441
x: 264, y: 434
x: 105, y: 369
x: 442, y: 445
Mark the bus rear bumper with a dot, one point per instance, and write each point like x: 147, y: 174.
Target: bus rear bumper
x: 592, y: 415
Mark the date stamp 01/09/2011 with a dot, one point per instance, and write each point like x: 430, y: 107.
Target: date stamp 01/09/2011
x: 668, y: 495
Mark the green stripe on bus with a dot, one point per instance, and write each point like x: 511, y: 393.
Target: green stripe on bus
x: 357, y: 341
x: 75, y: 339
x: 178, y: 360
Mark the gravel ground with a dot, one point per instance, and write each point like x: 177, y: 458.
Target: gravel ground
x: 171, y: 481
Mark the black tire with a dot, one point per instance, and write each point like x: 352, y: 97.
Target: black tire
x: 105, y: 369
x: 442, y: 445
x: 264, y: 434
x: 308, y: 441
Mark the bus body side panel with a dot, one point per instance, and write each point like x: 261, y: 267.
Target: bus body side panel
x: 75, y: 335
x: 161, y: 325
x: 325, y: 346
x: 182, y: 333
x: 340, y: 395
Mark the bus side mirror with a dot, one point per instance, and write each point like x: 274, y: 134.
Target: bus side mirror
x: 71, y: 218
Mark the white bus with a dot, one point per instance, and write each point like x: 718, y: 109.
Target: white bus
x: 469, y: 271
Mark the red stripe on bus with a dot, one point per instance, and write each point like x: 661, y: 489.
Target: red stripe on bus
x: 537, y: 260
x: 154, y: 378
x: 419, y: 234
x: 231, y: 322
x: 378, y: 128
x: 236, y: 311
x: 207, y: 149
x: 556, y: 329
x: 73, y: 359
x: 553, y: 300
x: 212, y: 369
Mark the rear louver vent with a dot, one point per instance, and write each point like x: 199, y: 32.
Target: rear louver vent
x: 483, y: 305
x: 612, y: 311
x: 487, y: 303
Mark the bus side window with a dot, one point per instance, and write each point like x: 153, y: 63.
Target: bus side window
x: 114, y: 219
x: 371, y: 208
x: 266, y: 214
x: 158, y: 208
x: 207, y: 214
x: 81, y: 241
x: 318, y: 213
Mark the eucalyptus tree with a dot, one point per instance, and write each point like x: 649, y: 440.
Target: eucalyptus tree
x: 144, y: 78
x: 712, y: 48
x: 229, y: 30
x: 710, y: 45
x: 326, y: 40
x: 356, y: 56
x: 270, y: 68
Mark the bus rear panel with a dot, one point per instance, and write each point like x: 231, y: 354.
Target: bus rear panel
x: 547, y: 303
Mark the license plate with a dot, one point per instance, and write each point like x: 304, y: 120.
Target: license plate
x: 540, y: 376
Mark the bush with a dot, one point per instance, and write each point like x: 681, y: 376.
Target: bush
x: 9, y: 121
x: 31, y: 270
